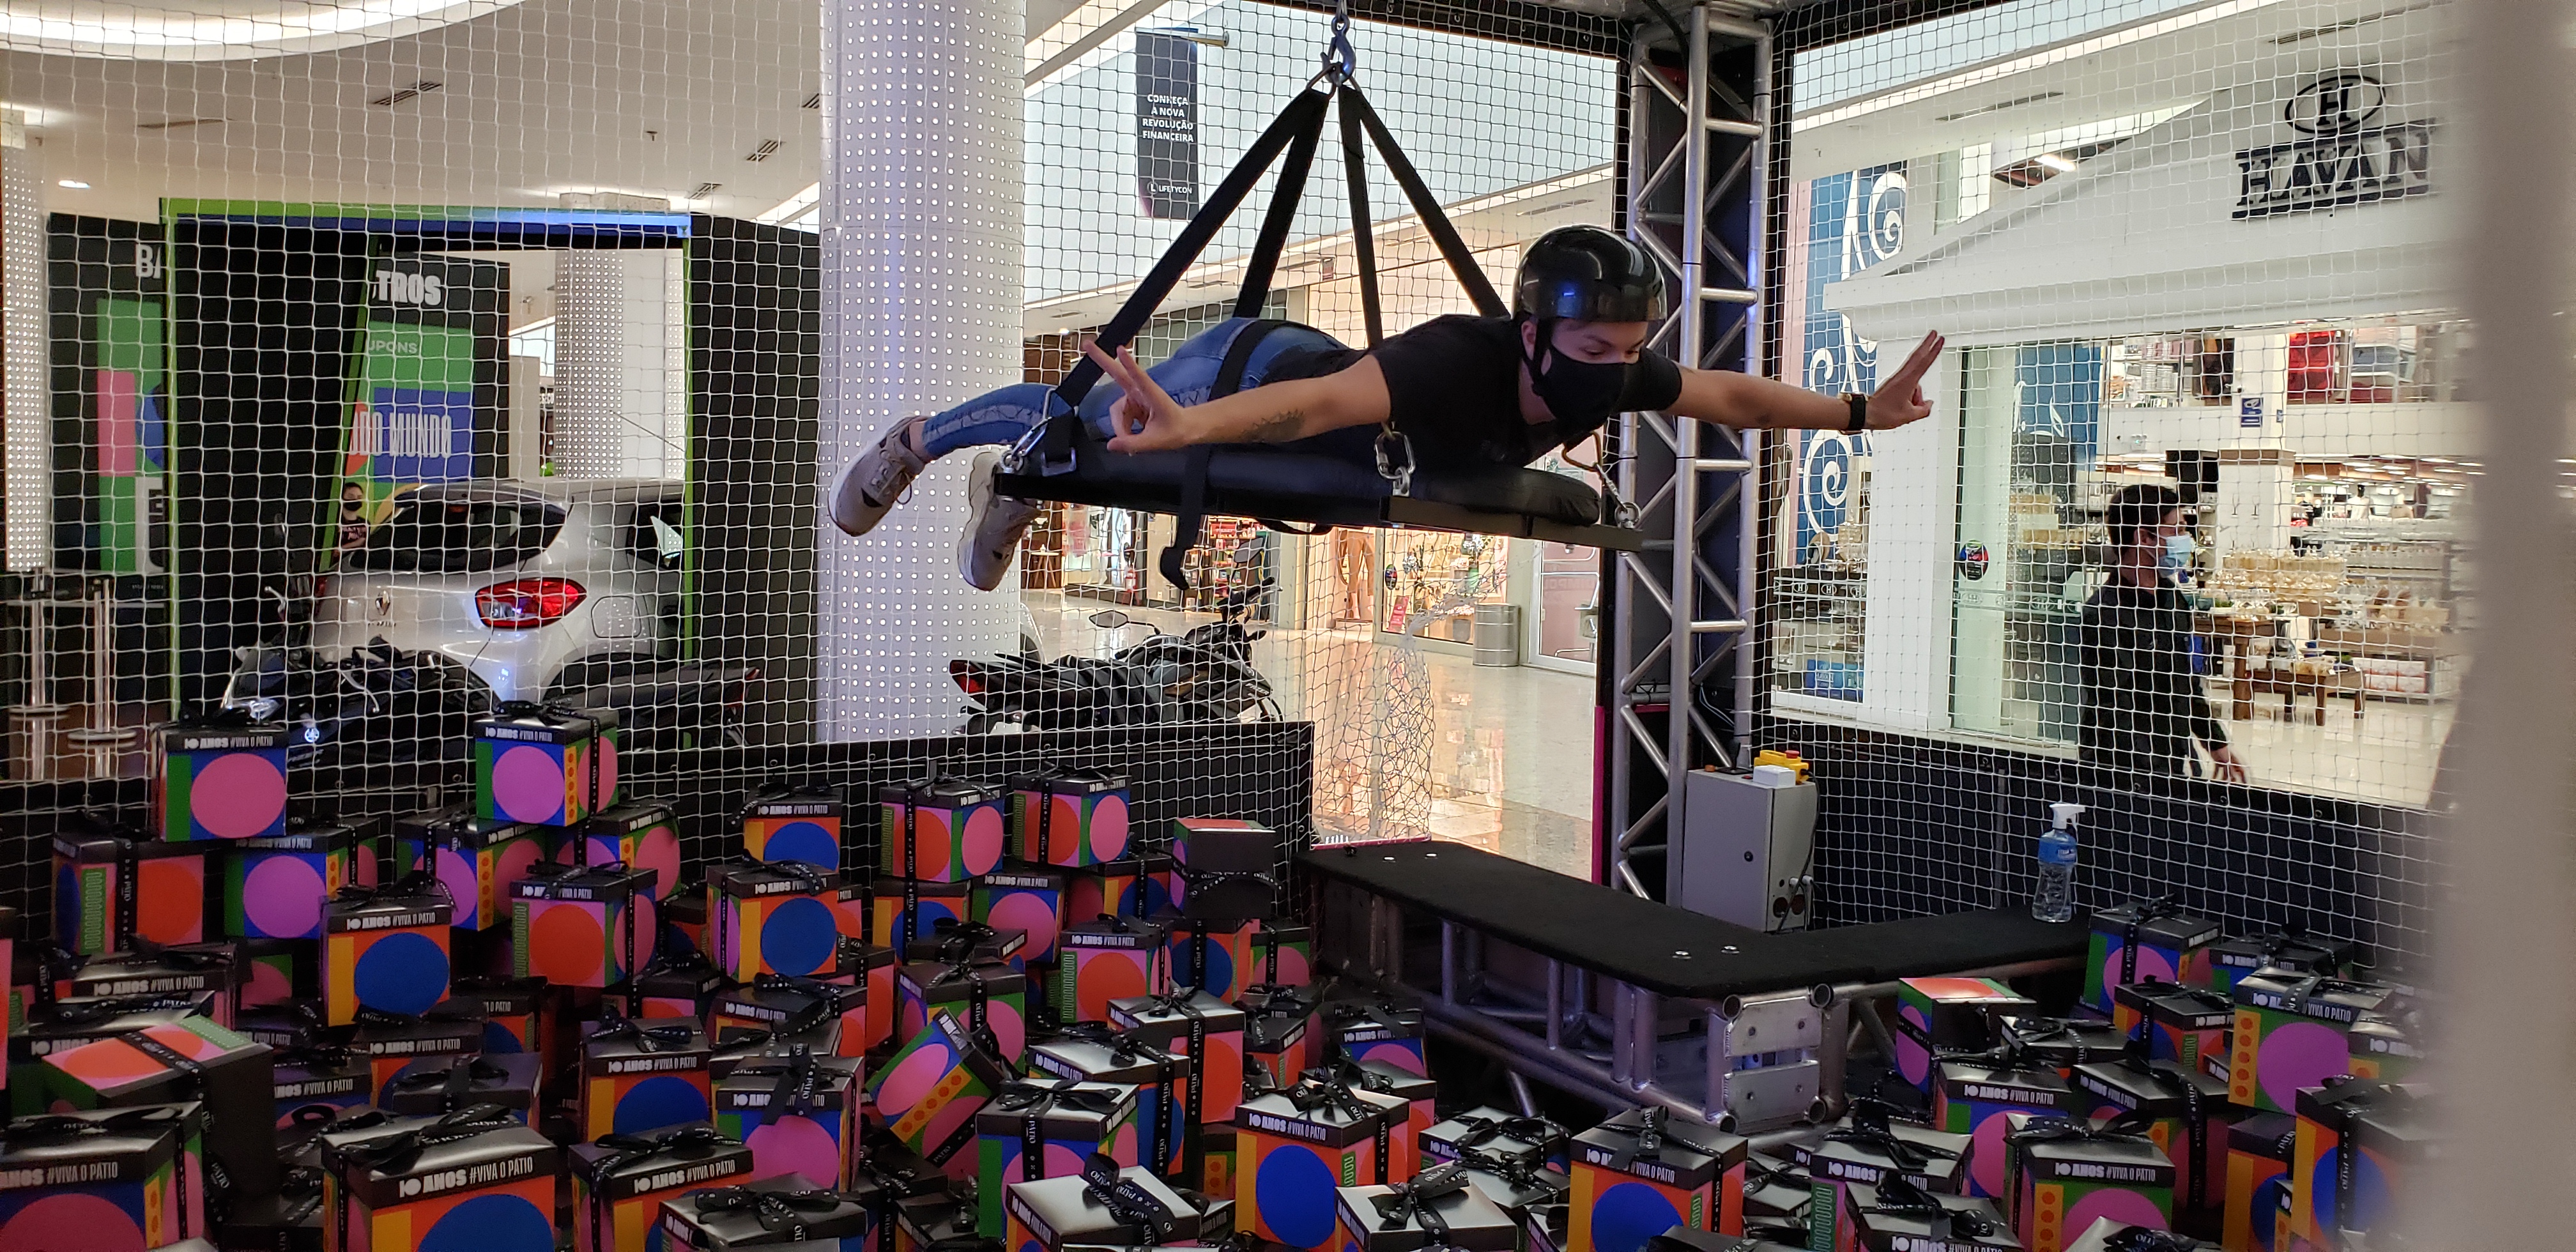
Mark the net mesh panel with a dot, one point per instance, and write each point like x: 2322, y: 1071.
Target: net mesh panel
x: 499, y: 341
x: 2173, y: 245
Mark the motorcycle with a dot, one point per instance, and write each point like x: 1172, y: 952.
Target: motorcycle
x: 1204, y: 675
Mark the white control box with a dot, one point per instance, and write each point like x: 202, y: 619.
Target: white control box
x: 1746, y: 853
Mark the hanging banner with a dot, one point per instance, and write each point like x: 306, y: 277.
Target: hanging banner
x: 424, y: 406
x: 108, y: 284
x: 1167, y: 125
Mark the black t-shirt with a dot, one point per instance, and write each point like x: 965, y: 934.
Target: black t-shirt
x: 1454, y: 387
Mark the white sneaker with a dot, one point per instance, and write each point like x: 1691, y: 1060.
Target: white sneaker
x: 994, y: 525
x: 873, y: 483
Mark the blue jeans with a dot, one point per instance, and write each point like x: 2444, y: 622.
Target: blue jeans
x: 1003, y: 416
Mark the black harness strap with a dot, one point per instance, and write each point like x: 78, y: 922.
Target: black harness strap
x: 1194, y: 474
x: 1363, y: 232
x: 1427, y: 206
x: 1257, y: 272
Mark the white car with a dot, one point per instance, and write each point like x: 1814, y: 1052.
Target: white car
x: 540, y: 589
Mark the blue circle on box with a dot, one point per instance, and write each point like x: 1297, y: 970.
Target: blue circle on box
x: 499, y: 1040
x: 930, y: 913
x: 1218, y: 978
x: 2370, y: 1192
x: 401, y: 973
x: 2267, y: 1201
x: 1295, y: 1194
x: 658, y: 1102
x: 1629, y: 1214
x: 491, y: 1223
x: 799, y: 936
x: 802, y: 841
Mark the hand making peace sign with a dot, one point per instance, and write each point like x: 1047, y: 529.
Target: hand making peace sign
x: 1145, y: 418
x: 1899, y: 399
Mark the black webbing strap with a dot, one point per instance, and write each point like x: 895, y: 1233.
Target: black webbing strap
x: 1363, y: 232
x: 1426, y: 205
x: 1194, y: 465
x: 1291, y: 188
x: 1306, y: 111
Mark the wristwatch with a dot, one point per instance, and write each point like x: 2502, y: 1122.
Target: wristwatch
x: 1859, y: 412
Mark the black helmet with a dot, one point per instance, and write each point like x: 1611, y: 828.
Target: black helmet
x: 1585, y: 273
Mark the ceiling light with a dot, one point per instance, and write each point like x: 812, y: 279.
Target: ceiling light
x: 73, y: 183
x: 2055, y: 161
x: 400, y: 94
x: 767, y: 149
x: 704, y: 190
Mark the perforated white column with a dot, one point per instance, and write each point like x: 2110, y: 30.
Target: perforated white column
x: 26, y: 450
x: 590, y: 365
x: 921, y: 309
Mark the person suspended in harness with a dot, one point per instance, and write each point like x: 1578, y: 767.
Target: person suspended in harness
x: 1466, y: 392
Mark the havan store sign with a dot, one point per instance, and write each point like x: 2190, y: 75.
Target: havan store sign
x: 2343, y: 160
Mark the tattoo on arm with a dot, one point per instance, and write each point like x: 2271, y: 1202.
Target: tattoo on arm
x: 1279, y: 427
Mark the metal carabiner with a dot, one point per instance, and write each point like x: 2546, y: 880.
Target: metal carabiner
x: 1395, y: 460
x: 1341, y: 60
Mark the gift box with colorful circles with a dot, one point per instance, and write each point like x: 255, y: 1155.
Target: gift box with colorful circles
x: 780, y: 918
x: 1440, y: 1207
x: 546, y: 766
x: 1491, y: 1133
x: 784, y: 1006
x: 939, y: 1220
x: 110, y: 891
x: 950, y: 943
x: 1105, y: 959
x: 1069, y: 1211
x: 1283, y: 956
x: 122, y: 1180
x: 2181, y: 1024
x: 1290, y: 1161
x: 903, y: 910
x: 1026, y: 899
x: 2259, y: 1148
x: 927, y: 1093
x: 2068, y: 1175
x: 329, y: 1078
x: 2062, y: 1043
x: 1069, y: 817
x: 73, y: 1022
x: 1161, y: 1078
x: 1225, y: 868
x: 439, y: 1085
x: 1215, y: 957
x: 2145, y: 941
x: 274, y: 888
x: 2336, y: 1185
x: 684, y: 919
x: 188, y: 1059
x: 794, y: 824
x: 620, y: 1183
x: 2185, y: 1108
x: 1974, y: 1096
x: 186, y: 970
x: 867, y: 1023
x: 477, y: 860
x: 1112, y: 888
x: 220, y: 779
x: 638, y: 835
x: 2106, y: 1235
x: 985, y: 996
x: 1935, y: 1015
x: 386, y: 949
x: 798, y: 1112
x: 1206, y: 1029
x: 1899, y: 1214
x: 679, y: 986
x: 391, y: 1044
x: 1419, y: 1094
x: 1275, y: 1047
x: 2232, y: 959
x: 1636, y: 1176
x: 2292, y: 1032
x: 1037, y: 1130
x: 722, y: 1218
x: 639, y: 1076
x: 425, y: 1184
x: 583, y: 926
x: 277, y: 972
x: 2384, y: 1043
x: 940, y: 830
x: 509, y: 1007
x: 1368, y: 1026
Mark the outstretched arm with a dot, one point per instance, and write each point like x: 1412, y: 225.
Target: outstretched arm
x: 1147, y: 420
x: 1742, y: 400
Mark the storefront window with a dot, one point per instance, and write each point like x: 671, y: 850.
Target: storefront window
x: 1435, y: 581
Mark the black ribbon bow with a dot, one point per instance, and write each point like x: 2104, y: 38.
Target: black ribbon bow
x: 458, y: 1079
x: 979, y: 1000
x: 1538, y: 1132
x: 1876, y: 1133
x: 299, y: 1194
x: 1412, y: 1203
x: 49, y: 1128
x: 646, y: 1038
x: 92, y: 1012
x: 399, y: 1153
x: 2295, y: 999
x: 1649, y: 1144
x: 781, y: 1212
x: 2141, y: 912
x: 2126, y: 1127
x: 1033, y: 1100
x: 411, y: 886
x: 1899, y: 1196
x: 2148, y: 1239
x: 1320, y: 1089
x: 1147, y: 1219
x: 795, y: 1091
x: 1521, y: 1175
x: 958, y: 940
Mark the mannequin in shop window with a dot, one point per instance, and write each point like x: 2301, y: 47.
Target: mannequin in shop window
x: 1466, y: 392
x: 2144, y: 706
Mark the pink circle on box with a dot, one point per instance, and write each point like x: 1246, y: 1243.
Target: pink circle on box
x: 795, y: 1145
x: 268, y: 984
x: 105, y: 1063
x: 1396, y: 1054
x: 607, y: 793
x: 2299, y: 1054
x: 1007, y: 1027
x: 1109, y: 828
x: 952, y: 1115
x: 911, y: 1078
x: 1122, y: 1146
x: 1025, y: 910
x: 1061, y: 1162
x: 237, y: 795
x: 982, y: 842
x: 511, y: 866
x: 659, y: 851
x: 1913, y: 1060
x: 527, y: 785
x: 2152, y: 967
x: 1986, y: 1156
x: 71, y: 1221
x: 1292, y: 967
x: 456, y: 873
x: 2125, y: 1207
x: 282, y: 898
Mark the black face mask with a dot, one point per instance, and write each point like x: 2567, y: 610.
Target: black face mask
x: 1580, y: 393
